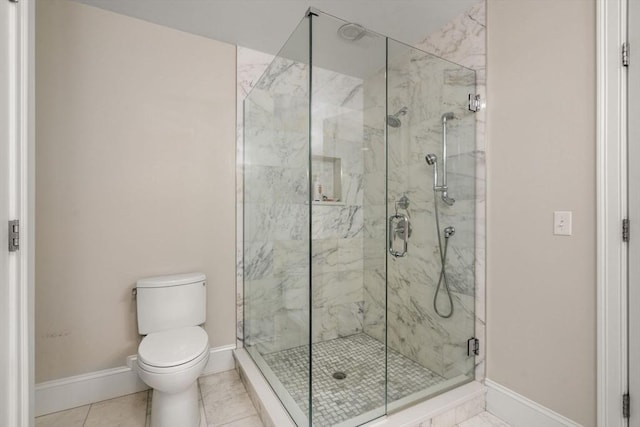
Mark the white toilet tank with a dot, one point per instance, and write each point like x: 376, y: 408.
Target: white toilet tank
x: 168, y: 302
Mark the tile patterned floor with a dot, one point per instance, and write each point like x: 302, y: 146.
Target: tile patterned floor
x: 362, y: 359
x: 226, y: 404
x: 225, y: 400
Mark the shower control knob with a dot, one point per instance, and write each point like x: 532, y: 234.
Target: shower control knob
x: 449, y: 231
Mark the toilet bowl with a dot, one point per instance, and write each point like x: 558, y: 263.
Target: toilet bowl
x: 175, y: 348
x: 170, y: 362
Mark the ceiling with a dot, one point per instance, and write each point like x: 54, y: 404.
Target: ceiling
x: 265, y: 25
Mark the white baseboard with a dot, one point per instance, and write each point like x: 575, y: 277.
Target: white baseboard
x: 520, y: 411
x: 79, y: 390
x: 220, y: 360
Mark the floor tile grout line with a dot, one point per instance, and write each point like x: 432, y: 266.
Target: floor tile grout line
x: 87, y: 415
x: 204, y: 410
x: 240, y: 419
x: 147, y: 412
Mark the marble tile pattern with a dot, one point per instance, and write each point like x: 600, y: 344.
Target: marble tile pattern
x: 278, y: 249
x: 71, y: 418
x: 250, y: 65
x: 125, y: 411
x: 362, y: 359
x: 275, y: 256
x: 484, y: 419
x: 226, y: 389
x: 463, y: 41
x: 224, y: 402
x: 428, y: 87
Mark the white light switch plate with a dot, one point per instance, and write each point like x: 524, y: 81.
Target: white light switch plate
x: 562, y: 223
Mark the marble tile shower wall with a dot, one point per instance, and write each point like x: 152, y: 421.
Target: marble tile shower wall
x: 428, y: 86
x: 337, y: 246
x: 461, y: 41
x: 250, y: 65
x: 276, y: 210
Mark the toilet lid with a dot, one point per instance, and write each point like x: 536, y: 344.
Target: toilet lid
x: 173, y: 347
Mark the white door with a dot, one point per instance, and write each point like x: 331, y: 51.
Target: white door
x: 15, y: 291
x: 633, y: 124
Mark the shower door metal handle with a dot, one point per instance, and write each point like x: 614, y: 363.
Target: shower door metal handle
x: 398, y: 225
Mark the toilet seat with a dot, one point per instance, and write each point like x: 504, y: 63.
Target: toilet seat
x: 173, y: 350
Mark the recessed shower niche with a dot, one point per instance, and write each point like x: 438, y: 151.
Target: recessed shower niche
x: 344, y: 329
x: 327, y: 180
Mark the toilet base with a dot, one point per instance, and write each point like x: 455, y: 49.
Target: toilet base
x: 176, y: 409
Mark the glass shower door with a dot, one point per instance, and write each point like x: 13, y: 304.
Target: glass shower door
x: 276, y: 243
x: 347, y: 113
x: 431, y: 234
x: 358, y: 261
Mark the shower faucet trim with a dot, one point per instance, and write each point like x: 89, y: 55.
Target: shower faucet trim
x: 444, y: 189
x: 432, y: 160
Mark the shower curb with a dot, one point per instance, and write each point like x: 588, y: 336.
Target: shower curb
x: 267, y: 404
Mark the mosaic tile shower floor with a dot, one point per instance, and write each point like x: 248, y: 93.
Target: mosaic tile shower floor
x: 362, y: 359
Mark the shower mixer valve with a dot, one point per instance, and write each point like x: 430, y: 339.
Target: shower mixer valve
x: 399, y: 228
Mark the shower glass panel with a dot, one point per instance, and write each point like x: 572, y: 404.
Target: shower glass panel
x: 276, y: 223
x: 430, y: 336
x: 348, y: 366
x: 342, y: 215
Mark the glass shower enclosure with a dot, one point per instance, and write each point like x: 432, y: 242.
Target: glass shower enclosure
x: 359, y: 224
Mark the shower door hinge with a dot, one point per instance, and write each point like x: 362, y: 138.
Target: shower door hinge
x: 14, y: 235
x: 625, y: 405
x: 473, y: 346
x: 474, y: 103
x: 625, y: 54
x: 625, y: 230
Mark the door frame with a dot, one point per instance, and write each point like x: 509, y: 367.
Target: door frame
x: 18, y: 112
x: 633, y: 137
x: 611, y: 209
x: 612, y: 375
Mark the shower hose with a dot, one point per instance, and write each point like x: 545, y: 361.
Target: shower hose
x: 443, y: 262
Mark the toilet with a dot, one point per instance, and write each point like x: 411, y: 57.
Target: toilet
x: 175, y: 348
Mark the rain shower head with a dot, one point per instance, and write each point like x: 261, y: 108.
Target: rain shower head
x: 352, y: 31
x: 394, y: 120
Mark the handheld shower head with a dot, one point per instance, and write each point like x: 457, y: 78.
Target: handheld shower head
x: 448, y: 200
x: 432, y: 160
